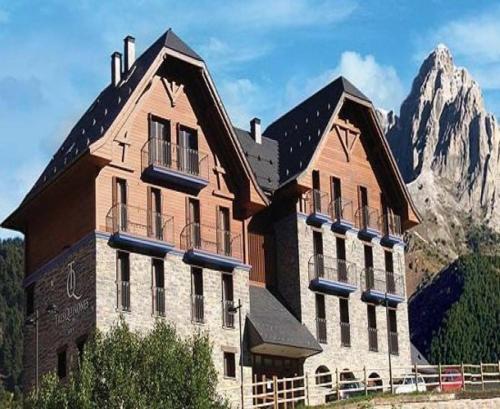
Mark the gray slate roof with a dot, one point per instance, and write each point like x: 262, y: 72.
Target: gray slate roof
x: 263, y: 159
x: 299, y: 130
x: 275, y: 324
x: 102, y: 112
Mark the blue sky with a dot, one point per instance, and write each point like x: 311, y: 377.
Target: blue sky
x: 265, y: 56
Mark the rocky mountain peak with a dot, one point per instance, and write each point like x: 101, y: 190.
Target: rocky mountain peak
x: 447, y: 147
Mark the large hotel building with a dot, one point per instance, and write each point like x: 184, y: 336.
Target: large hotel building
x: 156, y: 207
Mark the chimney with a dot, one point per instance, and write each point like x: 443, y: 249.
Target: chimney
x: 128, y: 52
x: 116, y: 68
x: 255, y: 130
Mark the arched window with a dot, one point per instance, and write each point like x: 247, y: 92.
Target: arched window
x: 346, y: 375
x: 375, y: 382
x: 323, y: 377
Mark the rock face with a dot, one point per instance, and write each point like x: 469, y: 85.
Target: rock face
x: 447, y: 148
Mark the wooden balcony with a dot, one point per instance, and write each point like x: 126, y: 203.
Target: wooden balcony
x: 317, y: 207
x: 163, y: 161
x: 342, y: 214
x: 140, y: 230
x: 368, y: 222
x: 212, y: 247
x: 331, y: 275
x: 391, y: 229
x: 381, y: 286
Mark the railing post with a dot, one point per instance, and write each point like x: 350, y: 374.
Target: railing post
x: 415, y: 369
x: 482, y: 375
x: 337, y: 382
x: 275, y: 392
x: 307, y: 389
x: 462, y: 371
x: 365, y: 380
x: 440, y: 380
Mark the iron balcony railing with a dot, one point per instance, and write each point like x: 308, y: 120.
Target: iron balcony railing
x: 342, y: 209
x: 332, y: 269
x: 160, y: 301
x: 383, y: 281
x: 345, y: 334
x: 227, y: 314
x: 212, y: 240
x: 140, y: 222
x: 367, y: 218
x: 391, y: 225
x: 372, y: 339
x: 393, y: 343
x: 124, y: 295
x: 321, y: 330
x: 166, y: 154
x: 197, y: 308
x: 316, y: 201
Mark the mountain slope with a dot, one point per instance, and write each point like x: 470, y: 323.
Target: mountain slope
x: 448, y: 149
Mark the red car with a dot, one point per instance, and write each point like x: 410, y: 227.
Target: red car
x: 451, y: 380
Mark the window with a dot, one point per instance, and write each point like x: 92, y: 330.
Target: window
x: 155, y: 218
x: 323, y: 377
x: 345, y: 331
x: 229, y: 365
x: 120, y: 204
x: 321, y: 331
x: 315, y: 179
x: 123, y: 281
x: 372, y: 328
x: 227, y: 300
x: 61, y: 364
x: 363, y: 207
x: 393, y: 332
x: 389, y: 273
x: 187, y: 154
x: 193, y: 220
x: 197, y: 299
x: 341, y: 260
x: 30, y: 299
x: 159, y: 286
x: 318, y: 253
x: 223, y: 231
x: 337, y: 198
x: 80, y: 345
x: 160, y: 150
x: 369, y: 273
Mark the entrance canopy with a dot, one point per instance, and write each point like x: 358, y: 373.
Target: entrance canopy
x: 273, y: 330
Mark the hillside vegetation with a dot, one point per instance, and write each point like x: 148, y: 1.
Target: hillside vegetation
x: 456, y: 316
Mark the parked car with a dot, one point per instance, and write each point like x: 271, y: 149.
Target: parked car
x: 353, y: 388
x: 451, y: 380
x: 406, y: 384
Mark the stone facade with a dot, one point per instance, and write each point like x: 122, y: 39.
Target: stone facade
x: 293, y: 284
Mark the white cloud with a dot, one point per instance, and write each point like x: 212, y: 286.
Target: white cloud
x: 474, y: 43
x: 380, y: 83
x: 240, y: 97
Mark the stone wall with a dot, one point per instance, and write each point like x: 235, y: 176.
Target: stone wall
x: 334, y: 355
x: 68, y: 283
x: 177, y: 304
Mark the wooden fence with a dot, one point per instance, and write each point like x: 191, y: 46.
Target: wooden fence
x: 327, y: 386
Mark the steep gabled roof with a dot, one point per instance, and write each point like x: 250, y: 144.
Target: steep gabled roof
x: 262, y: 157
x: 299, y: 131
x: 104, y: 110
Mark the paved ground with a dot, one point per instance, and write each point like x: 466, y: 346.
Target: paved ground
x: 451, y: 404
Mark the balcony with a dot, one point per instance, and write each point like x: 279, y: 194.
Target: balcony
x: 380, y: 285
x: 321, y: 334
x: 317, y: 207
x: 163, y: 161
x: 342, y: 214
x: 140, y: 230
x: 391, y: 229
x: 331, y: 275
x: 367, y: 220
x: 212, y: 247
